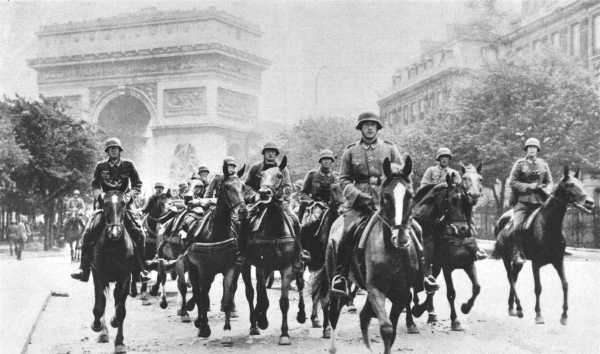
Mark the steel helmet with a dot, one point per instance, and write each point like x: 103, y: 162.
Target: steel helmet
x: 326, y: 154
x: 112, y: 142
x: 532, y: 142
x: 76, y: 192
x: 443, y: 151
x: 368, y: 117
x: 159, y: 185
x: 270, y: 146
x: 229, y: 160
x: 202, y: 169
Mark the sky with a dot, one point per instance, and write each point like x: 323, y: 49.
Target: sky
x: 345, y: 51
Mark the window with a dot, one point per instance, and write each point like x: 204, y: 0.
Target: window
x: 555, y: 39
x: 413, y: 111
x: 405, y: 114
x: 576, y: 39
x: 596, y: 34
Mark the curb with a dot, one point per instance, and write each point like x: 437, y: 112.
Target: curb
x: 34, y: 325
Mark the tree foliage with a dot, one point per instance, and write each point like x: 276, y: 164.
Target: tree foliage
x: 547, y: 97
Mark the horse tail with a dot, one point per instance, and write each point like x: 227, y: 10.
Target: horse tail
x: 320, y: 284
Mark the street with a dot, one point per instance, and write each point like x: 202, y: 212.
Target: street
x: 63, y: 326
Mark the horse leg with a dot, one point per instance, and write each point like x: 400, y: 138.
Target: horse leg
x: 144, y: 292
x: 365, y: 315
x: 377, y: 300
x: 560, y: 269
x: 451, y: 296
x: 249, y: 290
x: 120, y: 347
x: 229, y: 288
x: 353, y: 292
x: 472, y: 274
x: 432, y: 317
x: 182, y: 287
x: 301, y: 316
x: 287, y: 276
x: 262, y: 300
x: 204, y: 304
x: 513, y: 274
x: 120, y: 296
x: 411, y: 327
x: 395, y: 315
x: 71, y: 249
x: 326, y: 324
x: 535, y: 267
x: 314, y: 313
x: 98, y: 325
x: 333, y: 310
x: 161, y: 282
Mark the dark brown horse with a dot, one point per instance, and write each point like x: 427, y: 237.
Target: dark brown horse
x: 73, y: 232
x: 543, y: 242
x: 113, y: 261
x: 271, y: 245
x: 214, y: 250
x: 388, y: 270
x: 444, y: 212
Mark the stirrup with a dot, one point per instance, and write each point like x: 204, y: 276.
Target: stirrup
x: 81, y: 275
x: 430, y: 285
x: 337, y: 279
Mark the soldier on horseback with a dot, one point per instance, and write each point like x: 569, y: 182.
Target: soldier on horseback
x: 361, y: 175
x: 212, y: 191
x: 76, y: 209
x: 530, y: 182
x: 114, y: 174
x: 437, y: 174
x: 317, y: 188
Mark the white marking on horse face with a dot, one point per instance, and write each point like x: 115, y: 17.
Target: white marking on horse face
x: 114, y: 199
x: 399, y: 192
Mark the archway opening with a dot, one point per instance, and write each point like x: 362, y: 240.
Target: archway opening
x: 127, y: 118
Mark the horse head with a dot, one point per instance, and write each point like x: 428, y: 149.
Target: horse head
x: 456, y: 205
x: 271, y: 180
x: 570, y: 189
x: 231, y: 192
x: 396, y: 196
x: 114, y: 203
x: 472, y: 181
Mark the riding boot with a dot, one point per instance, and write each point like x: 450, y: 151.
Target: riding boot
x: 90, y: 235
x: 339, y: 283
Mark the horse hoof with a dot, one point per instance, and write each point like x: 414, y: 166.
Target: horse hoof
x: 412, y: 329
x: 227, y: 341
x: 327, y: 333
x: 432, y: 318
x: 301, y: 317
x: 254, y: 331
x: 96, y: 326
x: 520, y: 313
x: 197, y: 323
x: 456, y: 326
x: 316, y: 323
x: 204, y: 332
x: 417, y: 311
x: 186, y: 318
x: 114, y: 323
x: 284, y: 340
x: 563, y: 320
x: 120, y: 349
x: 103, y: 338
x: 539, y: 319
x: 163, y: 304
x: 512, y: 312
x: 351, y: 309
x: 190, y: 306
x: 465, y: 308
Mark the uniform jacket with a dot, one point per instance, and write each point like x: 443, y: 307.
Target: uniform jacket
x: 254, y: 176
x: 362, y: 167
x: 214, y: 187
x: 436, y: 175
x: 317, y: 185
x: 75, y: 203
x: 119, y: 176
x: 526, y: 174
x: 152, y: 206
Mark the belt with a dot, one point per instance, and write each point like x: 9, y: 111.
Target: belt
x: 374, y: 180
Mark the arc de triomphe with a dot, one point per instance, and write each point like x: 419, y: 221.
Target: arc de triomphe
x: 173, y: 86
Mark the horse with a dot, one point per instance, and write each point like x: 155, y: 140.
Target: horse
x: 445, y: 212
x: 542, y: 242
x: 113, y: 261
x: 214, y: 250
x: 314, y: 237
x: 271, y: 243
x: 73, y: 232
x: 386, y: 269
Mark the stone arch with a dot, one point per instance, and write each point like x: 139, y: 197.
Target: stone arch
x: 111, y: 94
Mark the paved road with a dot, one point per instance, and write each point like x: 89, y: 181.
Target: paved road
x: 64, y: 325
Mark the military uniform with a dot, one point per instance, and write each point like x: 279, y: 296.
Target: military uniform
x: 75, y: 208
x: 214, y: 187
x: 437, y: 174
x: 530, y: 183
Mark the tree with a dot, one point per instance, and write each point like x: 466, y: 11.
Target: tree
x: 62, y: 153
x: 303, y: 142
x: 547, y: 97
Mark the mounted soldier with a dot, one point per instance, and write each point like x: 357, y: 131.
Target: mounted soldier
x: 114, y: 174
x: 361, y: 175
x: 530, y: 182
x: 212, y: 191
x: 316, y: 191
x: 437, y: 174
x: 75, y: 209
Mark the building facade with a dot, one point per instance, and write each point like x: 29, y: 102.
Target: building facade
x: 171, y: 85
